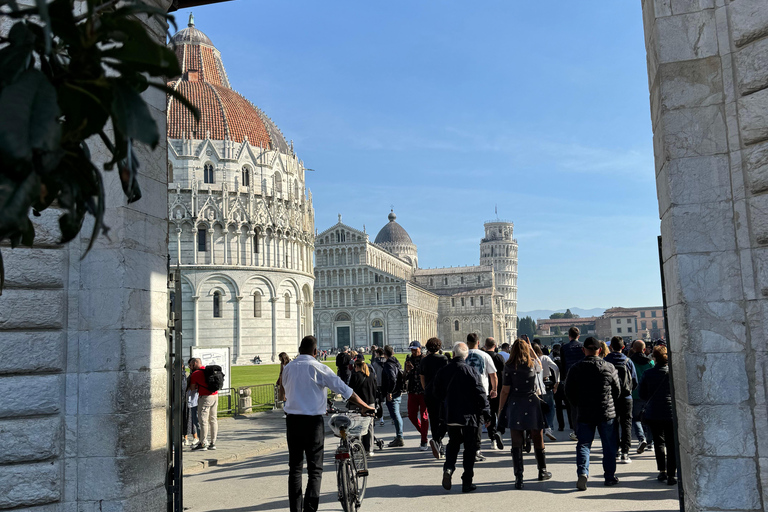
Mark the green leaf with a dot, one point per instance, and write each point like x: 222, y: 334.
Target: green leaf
x: 139, y: 51
x: 16, y: 198
x: 17, y: 56
x: 29, y: 116
x: 131, y: 116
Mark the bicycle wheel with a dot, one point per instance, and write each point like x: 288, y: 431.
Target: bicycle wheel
x: 360, y: 465
x: 345, y: 485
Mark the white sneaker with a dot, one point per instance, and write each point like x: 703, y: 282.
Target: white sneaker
x: 625, y: 458
x: 370, y: 453
x: 381, y: 423
x: 550, y: 435
x: 424, y: 447
x: 573, y: 437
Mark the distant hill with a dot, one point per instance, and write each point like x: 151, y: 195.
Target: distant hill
x: 544, y: 313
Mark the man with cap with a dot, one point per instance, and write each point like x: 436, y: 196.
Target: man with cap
x: 593, y: 387
x: 417, y: 404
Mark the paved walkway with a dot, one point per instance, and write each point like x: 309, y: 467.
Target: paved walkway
x: 251, y: 475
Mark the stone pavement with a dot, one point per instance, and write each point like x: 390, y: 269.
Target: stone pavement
x: 239, y: 439
x: 251, y: 475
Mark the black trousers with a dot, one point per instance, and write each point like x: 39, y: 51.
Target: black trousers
x: 561, y: 404
x: 305, y: 435
x: 494, y: 426
x: 436, y: 422
x: 468, y: 436
x: 664, y: 445
x: 623, y: 424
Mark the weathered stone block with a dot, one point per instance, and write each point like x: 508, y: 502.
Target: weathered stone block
x: 717, y: 327
x: 686, y: 36
x: 28, y: 395
x: 716, y: 378
x: 32, y: 309
x: 758, y: 213
x: 711, y: 475
x: 144, y: 350
x: 702, y: 277
x: 749, y: 20
x: 115, y: 478
x: 752, y: 67
x: 142, y: 390
x: 133, y: 433
x: 29, y: 484
x: 47, y: 232
x: 697, y: 228
x: 710, y: 431
x: 29, y: 440
x: 692, y: 83
x: 753, y: 117
x: 101, y: 350
x: 34, y: 268
x: 693, y: 132
x: 760, y: 258
x: 756, y: 161
x: 97, y: 392
x: 27, y: 352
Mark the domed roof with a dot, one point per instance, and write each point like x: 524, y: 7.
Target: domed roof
x: 190, y: 35
x: 392, y: 232
x: 224, y: 114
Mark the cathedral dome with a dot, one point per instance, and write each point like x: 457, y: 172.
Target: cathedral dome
x: 224, y: 114
x: 392, y: 232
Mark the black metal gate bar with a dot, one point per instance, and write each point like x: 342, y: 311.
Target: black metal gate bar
x: 676, y: 440
x: 174, y: 416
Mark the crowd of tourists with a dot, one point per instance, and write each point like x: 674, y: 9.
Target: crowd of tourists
x: 520, y: 393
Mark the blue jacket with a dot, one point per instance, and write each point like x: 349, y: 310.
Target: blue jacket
x: 619, y: 359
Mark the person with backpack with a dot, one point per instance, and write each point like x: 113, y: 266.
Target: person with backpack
x: 207, y: 381
x: 570, y: 354
x: 628, y: 382
x: 642, y: 364
x: 392, y: 384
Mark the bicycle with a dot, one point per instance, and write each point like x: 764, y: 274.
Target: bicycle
x: 351, y: 459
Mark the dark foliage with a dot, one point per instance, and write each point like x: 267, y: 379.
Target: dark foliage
x: 66, y: 77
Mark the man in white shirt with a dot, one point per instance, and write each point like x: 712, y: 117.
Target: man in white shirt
x: 305, y: 381
x: 483, y: 365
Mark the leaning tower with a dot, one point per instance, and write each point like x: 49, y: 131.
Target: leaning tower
x: 499, y: 250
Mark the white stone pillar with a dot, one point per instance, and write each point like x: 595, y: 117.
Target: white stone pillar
x: 274, y: 300
x: 225, y: 234
x: 299, y: 314
x: 196, y: 316
x: 213, y: 249
x: 239, y: 248
x: 239, y: 340
x: 253, y: 255
x: 178, y: 245
x: 194, y: 245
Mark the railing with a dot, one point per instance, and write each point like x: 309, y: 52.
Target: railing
x: 227, y: 402
x: 255, y: 398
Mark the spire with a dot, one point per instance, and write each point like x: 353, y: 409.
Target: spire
x: 191, y: 20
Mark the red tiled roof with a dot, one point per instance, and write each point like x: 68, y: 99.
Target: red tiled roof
x: 224, y: 114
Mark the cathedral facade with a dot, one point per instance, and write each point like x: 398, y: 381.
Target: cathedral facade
x: 241, y: 219
x: 374, y: 293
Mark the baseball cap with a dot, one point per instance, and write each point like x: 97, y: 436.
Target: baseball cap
x: 414, y: 344
x: 591, y: 343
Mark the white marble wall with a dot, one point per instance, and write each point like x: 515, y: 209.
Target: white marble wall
x: 82, y: 350
x: 708, y: 80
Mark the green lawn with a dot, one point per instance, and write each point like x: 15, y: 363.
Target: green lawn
x: 253, y: 375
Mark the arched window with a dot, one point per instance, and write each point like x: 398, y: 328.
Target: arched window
x: 170, y: 172
x: 462, y: 301
x: 481, y: 300
x: 377, y: 323
x: 246, y: 177
x: 216, y: 305
x: 445, y: 280
x: 256, y: 243
x: 201, y: 239
x: 431, y: 281
x: 462, y: 280
x: 257, y: 305
x: 456, y: 325
x: 287, y: 305
x: 471, y: 301
x: 278, y: 184
x: 208, y: 173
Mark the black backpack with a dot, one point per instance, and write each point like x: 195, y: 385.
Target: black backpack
x: 625, y: 379
x: 214, y: 377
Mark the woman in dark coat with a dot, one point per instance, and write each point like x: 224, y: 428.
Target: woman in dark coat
x: 364, y: 384
x: 658, y: 415
x: 519, y: 395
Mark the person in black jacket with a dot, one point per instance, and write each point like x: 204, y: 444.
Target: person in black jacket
x: 342, y: 365
x: 429, y: 366
x: 658, y: 414
x: 393, y: 392
x: 591, y: 387
x: 570, y: 354
x: 364, y: 385
x: 466, y: 407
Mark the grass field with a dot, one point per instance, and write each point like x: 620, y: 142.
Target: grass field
x: 253, y: 375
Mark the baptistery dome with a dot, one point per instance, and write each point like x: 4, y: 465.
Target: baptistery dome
x: 224, y: 114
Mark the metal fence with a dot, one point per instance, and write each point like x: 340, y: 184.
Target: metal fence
x: 227, y: 401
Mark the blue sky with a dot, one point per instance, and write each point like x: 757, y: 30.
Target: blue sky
x: 445, y: 109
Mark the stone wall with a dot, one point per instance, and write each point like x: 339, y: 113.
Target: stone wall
x: 82, y: 351
x: 708, y: 80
